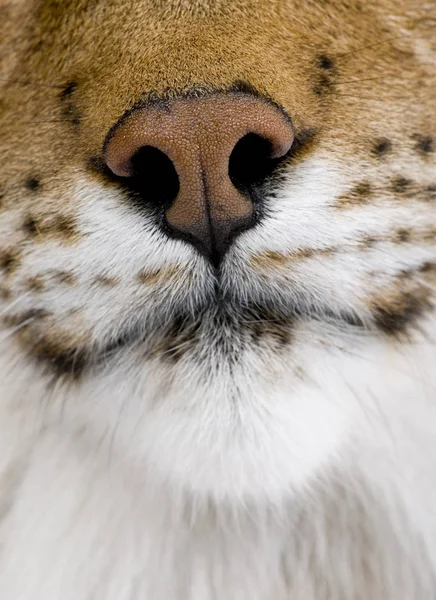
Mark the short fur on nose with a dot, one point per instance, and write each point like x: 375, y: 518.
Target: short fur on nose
x: 199, y: 135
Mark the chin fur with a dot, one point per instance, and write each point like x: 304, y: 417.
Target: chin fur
x: 174, y: 482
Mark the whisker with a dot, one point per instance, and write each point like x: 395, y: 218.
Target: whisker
x: 372, y: 46
x: 376, y: 99
x: 348, y: 81
x: 34, y: 83
x: 44, y: 122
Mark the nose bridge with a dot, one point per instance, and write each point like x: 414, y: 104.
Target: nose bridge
x: 208, y: 202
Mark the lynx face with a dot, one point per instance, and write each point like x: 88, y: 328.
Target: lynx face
x: 216, y: 326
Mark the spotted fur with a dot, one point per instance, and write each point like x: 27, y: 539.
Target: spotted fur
x: 264, y: 430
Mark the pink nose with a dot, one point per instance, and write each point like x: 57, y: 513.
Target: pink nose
x: 218, y: 146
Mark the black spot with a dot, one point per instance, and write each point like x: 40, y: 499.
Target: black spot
x: 325, y: 62
x: 33, y: 184
x: 71, y: 114
x: 424, y: 143
x: 68, y: 90
x: 427, y: 267
x: 382, y: 146
x: 401, y: 184
x: 30, y: 226
x: 69, y: 111
x: 9, y: 261
x: 322, y: 85
x: 431, y: 191
x: 403, y: 235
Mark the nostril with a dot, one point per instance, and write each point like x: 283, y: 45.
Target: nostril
x: 154, y: 177
x: 250, y: 161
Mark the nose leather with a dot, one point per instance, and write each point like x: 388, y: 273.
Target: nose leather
x: 198, y: 136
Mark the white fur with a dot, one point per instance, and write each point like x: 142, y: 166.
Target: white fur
x: 305, y: 474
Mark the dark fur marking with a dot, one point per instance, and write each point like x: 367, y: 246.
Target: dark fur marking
x: 394, y: 315
x: 69, y: 110
x: 35, y: 284
x: 5, y: 293
x: 58, y: 354
x: 401, y: 184
x: 71, y: 114
x: 369, y: 241
x: 424, y: 143
x: 33, y: 184
x: 359, y: 194
x: 322, y: 85
x: 279, y: 331
x: 403, y: 235
x: 32, y: 314
x: 70, y: 362
x: 150, y: 277
x: 30, y: 226
x: 362, y: 189
x: 382, y: 146
x: 63, y: 226
x: 64, y: 277
x: 180, y: 338
x: 427, y: 267
x: 9, y: 261
x: 106, y: 280
x: 325, y: 62
x: 69, y: 88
